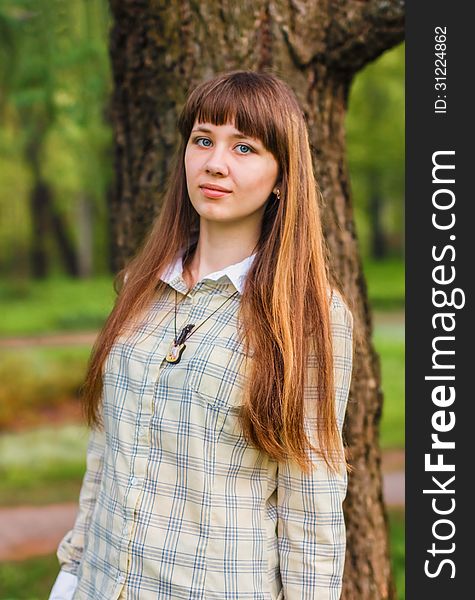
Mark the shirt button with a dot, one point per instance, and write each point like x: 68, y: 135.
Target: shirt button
x: 133, y: 480
x: 121, y: 577
x: 142, y: 431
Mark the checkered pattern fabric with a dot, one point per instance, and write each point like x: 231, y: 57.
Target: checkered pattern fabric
x: 175, y: 504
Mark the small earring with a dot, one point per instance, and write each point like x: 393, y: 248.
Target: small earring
x: 277, y: 193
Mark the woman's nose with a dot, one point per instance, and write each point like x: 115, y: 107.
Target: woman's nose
x: 216, y: 163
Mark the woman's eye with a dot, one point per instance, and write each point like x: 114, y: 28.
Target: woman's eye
x: 245, y: 146
x: 197, y: 140
x: 206, y: 144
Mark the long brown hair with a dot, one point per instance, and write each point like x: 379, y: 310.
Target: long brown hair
x: 284, y: 312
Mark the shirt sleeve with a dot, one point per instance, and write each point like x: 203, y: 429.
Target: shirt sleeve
x: 64, y: 586
x: 311, y: 527
x: 71, y: 547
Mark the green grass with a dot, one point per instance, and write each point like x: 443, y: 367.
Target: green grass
x: 57, y: 304
x: 386, y: 285
x: 42, y: 466
x: 32, y: 579
x: 28, y: 579
x: 389, y: 343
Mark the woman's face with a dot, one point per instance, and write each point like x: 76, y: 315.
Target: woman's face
x: 221, y: 156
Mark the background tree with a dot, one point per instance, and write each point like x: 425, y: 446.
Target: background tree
x: 32, y: 89
x: 374, y: 127
x: 54, y: 79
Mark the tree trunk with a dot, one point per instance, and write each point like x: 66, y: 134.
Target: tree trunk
x: 39, y: 220
x: 39, y: 202
x: 159, y: 51
x: 375, y: 208
x: 67, y: 251
x: 45, y: 218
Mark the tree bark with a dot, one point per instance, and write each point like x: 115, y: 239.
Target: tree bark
x: 159, y: 51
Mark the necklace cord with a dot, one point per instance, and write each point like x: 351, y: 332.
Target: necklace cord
x: 178, y: 346
x: 192, y: 331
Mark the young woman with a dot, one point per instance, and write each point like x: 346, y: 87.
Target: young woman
x: 217, y: 389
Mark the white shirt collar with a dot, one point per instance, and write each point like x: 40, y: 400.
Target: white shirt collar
x: 236, y: 272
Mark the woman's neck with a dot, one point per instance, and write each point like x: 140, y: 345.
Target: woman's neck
x: 209, y: 257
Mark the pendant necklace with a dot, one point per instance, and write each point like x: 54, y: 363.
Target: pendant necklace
x: 178, y: 346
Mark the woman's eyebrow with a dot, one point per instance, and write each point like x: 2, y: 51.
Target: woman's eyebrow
x: 238, y: 136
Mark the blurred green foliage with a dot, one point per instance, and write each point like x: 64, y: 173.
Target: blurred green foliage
x: 55, y: 82
x: 375, y: 139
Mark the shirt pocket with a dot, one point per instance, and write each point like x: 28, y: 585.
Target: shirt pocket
x: 217, y: 380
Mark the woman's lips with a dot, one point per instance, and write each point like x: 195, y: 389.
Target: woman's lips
x: 213, y: 193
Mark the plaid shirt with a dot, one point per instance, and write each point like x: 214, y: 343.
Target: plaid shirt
x: 175, y: 504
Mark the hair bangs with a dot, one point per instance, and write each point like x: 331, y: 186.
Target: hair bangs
x: 237, y: 99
